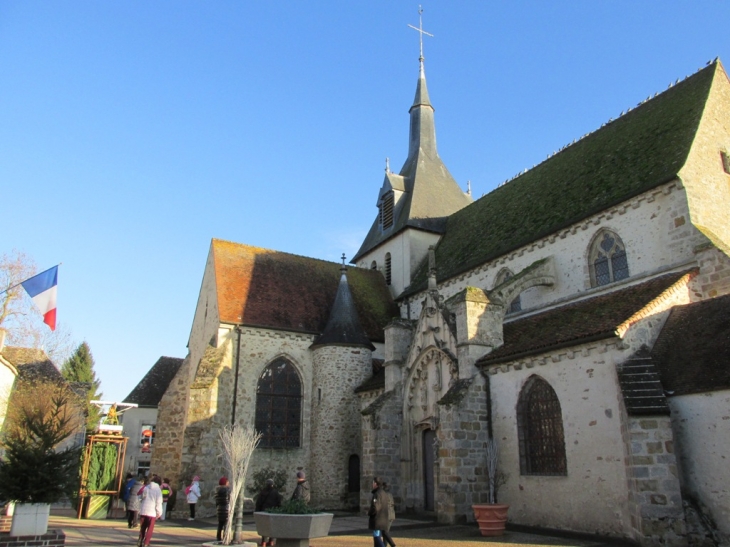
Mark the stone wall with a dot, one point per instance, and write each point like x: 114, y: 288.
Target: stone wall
x: 655, y: 501
x: 461, y: 478
x: 336, y: 431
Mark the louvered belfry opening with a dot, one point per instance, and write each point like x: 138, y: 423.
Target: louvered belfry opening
x: 540, y: 430
x: 386, y: 211
x: 388, y: 278
x: 279, y: 406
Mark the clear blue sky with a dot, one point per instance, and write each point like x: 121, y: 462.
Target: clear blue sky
x: 133, y: 132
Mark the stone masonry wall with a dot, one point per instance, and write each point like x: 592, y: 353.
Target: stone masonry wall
x: 336, y: 431
x: 655, y: 501
x: 461, y: 478
x: 381, y: 452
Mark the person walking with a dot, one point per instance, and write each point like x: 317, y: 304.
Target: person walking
x: 124, y: 494
x: 222, y: 501
x: 391, y: 516
x: 150, y: 509
x: 166, y: 493
x: 133, y: 503
x: 268, y: 498
x: 301, y: 492
x: 378, y: 512
x: 193, y: 494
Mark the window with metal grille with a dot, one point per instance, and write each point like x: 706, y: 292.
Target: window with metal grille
x: 387, y: 269
x: 386, y: 211
x: 540, y: 430
x: 608, y: 260
x: 279, y: 406
x: 516, y: 304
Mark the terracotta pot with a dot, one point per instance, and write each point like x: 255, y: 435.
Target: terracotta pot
x: 491, y: 518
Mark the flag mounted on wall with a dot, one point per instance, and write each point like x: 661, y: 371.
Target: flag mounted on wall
x: 42, y: 289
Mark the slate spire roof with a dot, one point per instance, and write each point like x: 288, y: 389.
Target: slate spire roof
x: 644, y: 148
x: 430, y: 193
x: 343, y: 327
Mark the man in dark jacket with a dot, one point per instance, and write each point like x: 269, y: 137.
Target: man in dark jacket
x: 268, y: 498
x: 378, y: 512
x: 301, y: 492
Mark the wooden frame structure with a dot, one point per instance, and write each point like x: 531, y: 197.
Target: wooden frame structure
x: 91, y: 440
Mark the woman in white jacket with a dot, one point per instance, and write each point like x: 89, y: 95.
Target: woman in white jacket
x: 193, y: 493
x: 150, y: 509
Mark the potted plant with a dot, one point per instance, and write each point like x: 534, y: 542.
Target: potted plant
x: 34, y: 471
x: 492, y: 516
x: 293, y: 524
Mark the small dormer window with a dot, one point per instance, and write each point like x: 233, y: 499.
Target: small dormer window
x: 725, y: 161
x: 386, y: 211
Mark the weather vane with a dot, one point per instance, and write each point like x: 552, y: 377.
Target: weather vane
x: 420, y: 30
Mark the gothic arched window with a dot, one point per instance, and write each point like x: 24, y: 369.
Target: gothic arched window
x: 279, y: 406
x: 388, y: 277
x: 607, y: 259
x: 540, y: 430
x: 516, y: 304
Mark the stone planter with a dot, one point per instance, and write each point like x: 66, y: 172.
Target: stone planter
x: 30, y: 519
x: 491, y: 518
x: 293, y: 530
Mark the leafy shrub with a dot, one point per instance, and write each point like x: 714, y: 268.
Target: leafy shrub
x: 260, y: 477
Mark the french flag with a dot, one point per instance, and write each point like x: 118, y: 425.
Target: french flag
x: 42, y: 289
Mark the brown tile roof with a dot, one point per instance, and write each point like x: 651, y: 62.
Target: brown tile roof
x: 152, y: 387
x: 692, y: 352
x: 591, y: 319
x: 260, y: 287
x: 32, y: 364
x: 376, y: 381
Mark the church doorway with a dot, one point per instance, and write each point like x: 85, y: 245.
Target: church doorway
x: 429, y: 438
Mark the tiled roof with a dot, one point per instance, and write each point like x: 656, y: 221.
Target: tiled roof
x: 32, y: 364
x: 642, y: 149
x: 591, y: 319
x: 376, y: 381
x: 152, y: 387
x: 259, y: 287
x: 692, y: 351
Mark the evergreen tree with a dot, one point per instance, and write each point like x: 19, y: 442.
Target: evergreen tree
x: 80, y: 368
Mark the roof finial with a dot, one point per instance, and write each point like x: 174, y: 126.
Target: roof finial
x: 468, y: 187
x: 421, y: 32
x: 387, y: 165
x: 343, y: 269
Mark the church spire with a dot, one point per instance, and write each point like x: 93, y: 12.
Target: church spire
x: 343, y: 327
x: 423, y: 131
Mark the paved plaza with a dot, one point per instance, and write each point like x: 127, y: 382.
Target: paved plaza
x: 347, y: 531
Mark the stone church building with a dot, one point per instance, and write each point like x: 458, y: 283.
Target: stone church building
x: 579, y: 314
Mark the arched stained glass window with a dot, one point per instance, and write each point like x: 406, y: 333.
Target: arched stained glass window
x: 279, y: 406
x: 540, y: 430
x: 608, y: 260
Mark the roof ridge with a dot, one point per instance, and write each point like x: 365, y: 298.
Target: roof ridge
x: 713, y: 63
x: 274, y: 251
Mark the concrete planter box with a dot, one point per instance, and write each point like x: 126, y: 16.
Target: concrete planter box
x: 30, y: 519
x: 293, y: 530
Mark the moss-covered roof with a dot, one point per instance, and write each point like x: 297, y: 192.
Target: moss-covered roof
x: 642, y: 149
x: 264, y: 288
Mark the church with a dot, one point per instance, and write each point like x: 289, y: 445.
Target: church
x: 578, y: 315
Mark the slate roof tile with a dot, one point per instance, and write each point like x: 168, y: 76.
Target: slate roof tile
x: 576, y: 323
x: 692, y: 351
x: 149, y: 391
x: 32, y: 364
x: 264, y: 288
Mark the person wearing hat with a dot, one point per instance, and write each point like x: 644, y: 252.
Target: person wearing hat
x: 222, y: 501
x: 378, y: 512
x: 268, y: 498
x: 301, y: 492
x: 192, y: 492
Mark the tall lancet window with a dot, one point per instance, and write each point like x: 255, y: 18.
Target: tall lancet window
x: 607, y: 259
x: 386, y: 211
x: 279, y: 406
x: 388, y: 277
x: 540, y: 430
x: 516, y: 304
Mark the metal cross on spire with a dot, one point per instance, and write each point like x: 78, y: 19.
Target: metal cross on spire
x: 420, y: 31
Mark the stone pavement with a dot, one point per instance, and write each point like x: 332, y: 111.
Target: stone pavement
x: 347, y: 530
